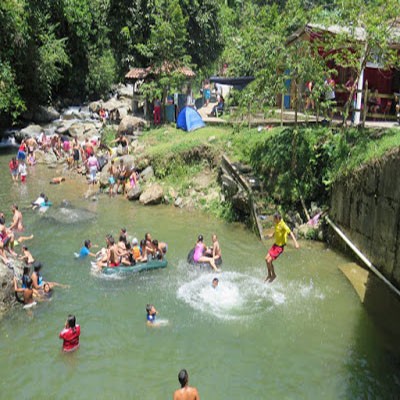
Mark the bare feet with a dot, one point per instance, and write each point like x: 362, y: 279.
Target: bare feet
x: 267, y: 278
x: 272, y: 278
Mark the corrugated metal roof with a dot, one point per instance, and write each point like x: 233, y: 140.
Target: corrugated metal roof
x: 141, y: 73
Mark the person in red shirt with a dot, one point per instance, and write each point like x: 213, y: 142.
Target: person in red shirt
x: 13, y: 165
x: 70, y: 334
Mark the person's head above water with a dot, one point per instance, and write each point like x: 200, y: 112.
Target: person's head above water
x: 215, y: 282
x: 183, y: 377
x: 135, y: 242
x: 150, y: 309
x: 71, y: 320
x: 46, y: 287
x: 200, y: 238
x: 37, y: 266
x: 87, y: 243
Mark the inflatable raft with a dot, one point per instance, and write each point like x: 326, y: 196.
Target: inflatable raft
x: 139, y: 267
x: 202, y: 265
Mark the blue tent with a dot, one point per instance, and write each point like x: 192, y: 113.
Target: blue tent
x: 189, y: 119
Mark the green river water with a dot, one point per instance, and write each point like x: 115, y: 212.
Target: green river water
x: 306, y: 336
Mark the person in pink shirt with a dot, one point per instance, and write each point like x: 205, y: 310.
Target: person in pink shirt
x: 70, y: 334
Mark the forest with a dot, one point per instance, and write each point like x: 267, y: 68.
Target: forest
x: 77, y: 49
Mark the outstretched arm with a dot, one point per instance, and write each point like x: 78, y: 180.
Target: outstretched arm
x: 296, y: 245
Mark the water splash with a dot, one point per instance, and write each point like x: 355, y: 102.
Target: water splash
x: 238, y: 296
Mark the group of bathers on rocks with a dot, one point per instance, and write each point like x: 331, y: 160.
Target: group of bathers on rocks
x: 30, y: 287
x: 81, y: 156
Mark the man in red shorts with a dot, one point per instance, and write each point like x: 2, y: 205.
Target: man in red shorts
x: 280, y: 233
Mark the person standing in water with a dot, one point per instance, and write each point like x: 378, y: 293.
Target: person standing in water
x: 185, y: 392
x: 70, y: 334
x: 280, y: 233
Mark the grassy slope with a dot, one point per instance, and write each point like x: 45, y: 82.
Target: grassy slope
x: 171, y: 152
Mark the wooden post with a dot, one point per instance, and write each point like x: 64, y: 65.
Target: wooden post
x: 365, y: 110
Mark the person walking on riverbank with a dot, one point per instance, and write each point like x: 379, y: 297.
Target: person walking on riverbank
x: 22, y: 171
x: 70, y: 334
x: 13, y: 165
x: 185, y: 392
x: 280, y: 233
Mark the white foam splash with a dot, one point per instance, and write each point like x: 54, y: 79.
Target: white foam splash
x: 238, y: 296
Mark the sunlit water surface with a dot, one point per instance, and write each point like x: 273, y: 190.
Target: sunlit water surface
x: 306, y: 336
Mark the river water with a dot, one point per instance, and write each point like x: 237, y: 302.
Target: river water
x: 306, y: 336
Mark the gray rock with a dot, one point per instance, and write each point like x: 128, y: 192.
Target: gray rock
x: 152, y: 195
x: 48, y: 158
x: 135, y: 193
x: 45, y: 114
x: 147, y: 174
x: 29, y: 131
x: 130, y: 124
x: 178, y: 202
x: 94, y: 106
x: 7, y: 296
x: 229, y: 186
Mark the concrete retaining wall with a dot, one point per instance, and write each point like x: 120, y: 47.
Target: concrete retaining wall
x: 366, y: 204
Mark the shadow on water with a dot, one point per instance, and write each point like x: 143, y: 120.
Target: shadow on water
x: 380, y: 372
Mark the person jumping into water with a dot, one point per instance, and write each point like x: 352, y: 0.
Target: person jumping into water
x: 280, y: 233
x: 185, y: 392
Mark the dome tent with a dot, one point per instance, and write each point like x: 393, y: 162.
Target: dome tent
x: 189, y: 120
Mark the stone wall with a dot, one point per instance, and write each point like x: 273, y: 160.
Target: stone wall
x: 366, y: 204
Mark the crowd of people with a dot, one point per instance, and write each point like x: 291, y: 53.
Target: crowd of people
x: 125, y: 252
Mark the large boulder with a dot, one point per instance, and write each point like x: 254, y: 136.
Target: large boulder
x: 95, y: 106
x: 7, y: 296
x: 83, y: 130
x: 29, y: 131
x: 48, y: 158
x: 45, y: 114
x: 129, y: 161
x: 154, y: 194
x: 147, y: 174
x: 135, y: 193
x: 130, y: 124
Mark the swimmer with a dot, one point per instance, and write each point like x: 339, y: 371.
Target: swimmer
x: 39, y: 202
x: 214, y: 283
x: 57, y: 180
x: 70, y: 334
x: 85, y: 250
x: 185, y: 392
x: 151, y: 314
x: 27, y: 293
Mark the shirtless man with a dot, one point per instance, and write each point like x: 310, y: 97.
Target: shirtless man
x: 215, y: 250
x: 17, y: 219
x: 26, y: 256
x: 185, y: 392
x: 113, y: 176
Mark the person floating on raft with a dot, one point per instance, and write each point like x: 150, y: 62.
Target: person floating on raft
x: 200, y: 255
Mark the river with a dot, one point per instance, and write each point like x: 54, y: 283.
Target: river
x: 306, y: 336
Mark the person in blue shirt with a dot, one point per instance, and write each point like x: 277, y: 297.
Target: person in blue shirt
x: 151, y: 314
x: 85, y: 250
